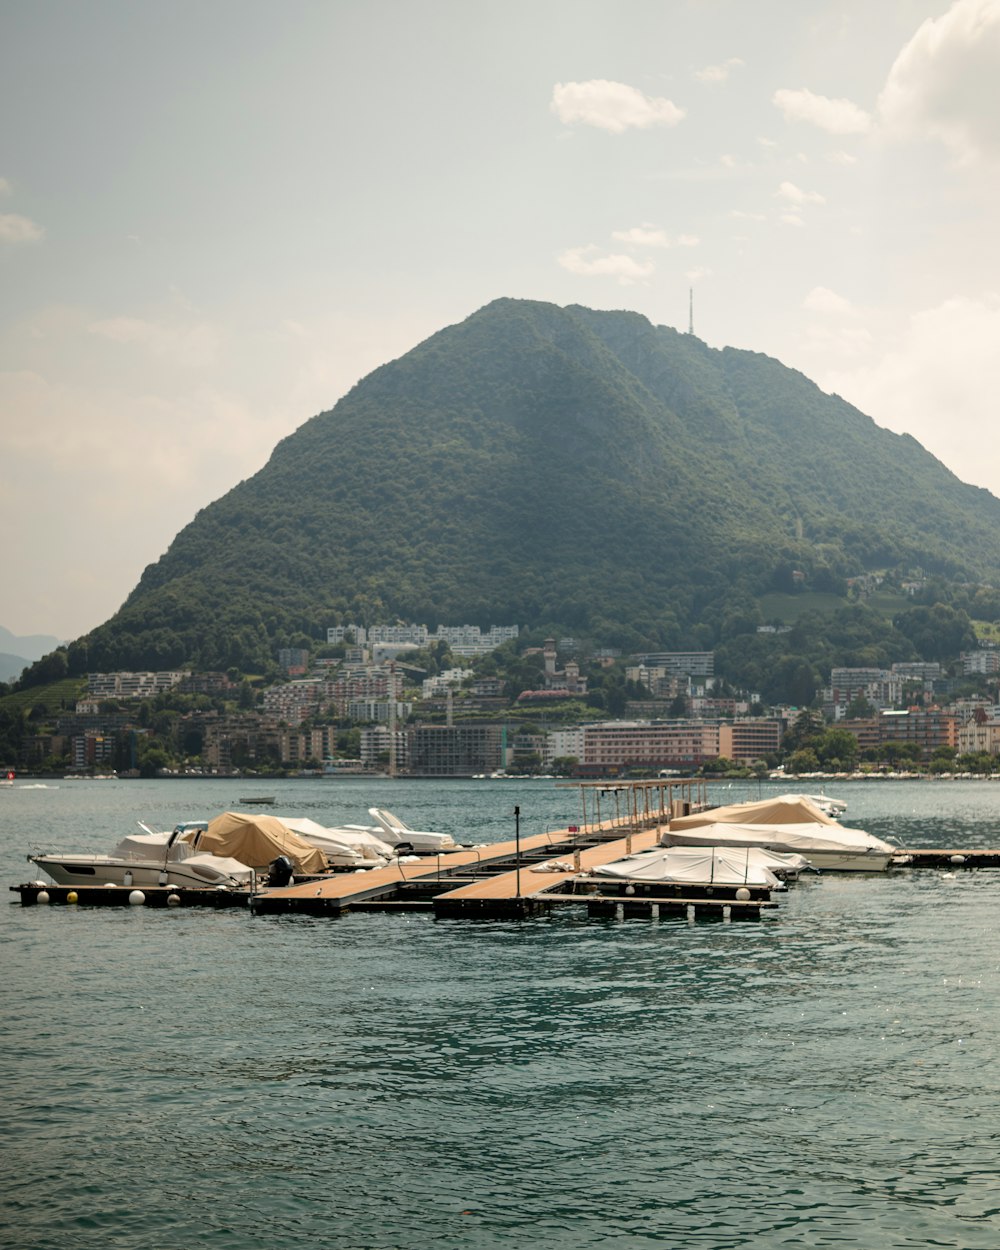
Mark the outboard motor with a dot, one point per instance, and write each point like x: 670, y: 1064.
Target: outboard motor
x: 280, y: 871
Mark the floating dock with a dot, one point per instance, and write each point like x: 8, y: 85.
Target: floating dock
x: 521, y: 877
x: 509, y: 879
x: 34, y: 892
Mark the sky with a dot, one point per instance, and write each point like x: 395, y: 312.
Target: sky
x: 216, y: 216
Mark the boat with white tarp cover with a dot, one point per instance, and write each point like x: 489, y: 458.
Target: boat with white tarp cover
x: 706, y: 866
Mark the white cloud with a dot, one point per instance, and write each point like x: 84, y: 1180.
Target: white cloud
x: 718, y: 73
x: 791, y: 219
x: 939, y: 383
x: 839, y: 334
x: 612, y: 106
x: 822, y: 300
x: 842, y: 158
x: 17, y: 229
x: 794, y: 195
x: 946, y: 81
x: 589, y: 262
x: 192, y: 345
x: 642, y: 236
x: 842, y: 342
x: 652, y: 236
x: 837, y: 117
x: 697, y: 273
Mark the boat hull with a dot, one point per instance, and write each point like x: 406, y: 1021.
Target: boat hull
x: 107, y: 870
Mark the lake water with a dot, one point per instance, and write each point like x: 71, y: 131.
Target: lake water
x: 829, y: 1077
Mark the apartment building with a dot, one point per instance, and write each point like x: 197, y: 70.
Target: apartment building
x: 457, y: 750
x: 747, y: 740
x: 610, y: 747
x: 132, y: 685
x: 930, y: 728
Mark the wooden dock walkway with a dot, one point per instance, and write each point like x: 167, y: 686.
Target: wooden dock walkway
x: 482, y: 868
x: 503, y: 881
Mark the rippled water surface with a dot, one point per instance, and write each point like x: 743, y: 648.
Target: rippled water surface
x: 827, y: 1077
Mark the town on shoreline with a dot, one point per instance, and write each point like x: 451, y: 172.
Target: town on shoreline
x: 399, y: 700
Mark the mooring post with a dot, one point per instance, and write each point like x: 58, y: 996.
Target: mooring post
x: 517, y: 846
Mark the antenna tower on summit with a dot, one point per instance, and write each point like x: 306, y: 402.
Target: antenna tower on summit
x: 690, y: 310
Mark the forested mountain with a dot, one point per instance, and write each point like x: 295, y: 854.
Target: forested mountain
x: 537, y: 464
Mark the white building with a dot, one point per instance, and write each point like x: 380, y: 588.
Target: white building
x: 132, y: 685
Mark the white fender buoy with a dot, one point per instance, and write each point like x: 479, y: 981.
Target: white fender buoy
x: 111, y: 885
x: 630, y: 889
x: 42, y: 896
x: 173, y: 900
x: 958, y: 859
x: 743, y: 894
x: 127, y: 879
x: 136, y: 898
x: 690, y: 913
x: 727, y: 913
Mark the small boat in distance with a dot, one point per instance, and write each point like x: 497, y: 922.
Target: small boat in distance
x: 259, y: 800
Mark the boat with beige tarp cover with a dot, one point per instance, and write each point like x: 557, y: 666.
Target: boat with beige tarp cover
x: 786, y: 823
x: 258, y: 841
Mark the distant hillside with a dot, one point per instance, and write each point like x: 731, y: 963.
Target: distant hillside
x: 539, y: 464
x: 17, y: 652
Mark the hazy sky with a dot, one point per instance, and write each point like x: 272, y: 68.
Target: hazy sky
x: 216, y: 216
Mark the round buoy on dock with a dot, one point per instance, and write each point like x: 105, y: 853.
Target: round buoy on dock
x: 136, y: 898
x: 42, y: 896
x: 173, y: 900
x: 743, y: 894
x: 72, y: 897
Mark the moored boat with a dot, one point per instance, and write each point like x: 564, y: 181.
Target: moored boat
x: 147, y: 859
x: 788, y: 823
x: 398, y: 833
x: 706, y: 867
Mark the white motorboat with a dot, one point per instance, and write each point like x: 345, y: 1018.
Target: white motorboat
x: 346, y: 846
x: 148, y: 859
x: 827, y: 805
x: 788, y: 823
x: 396, y: 832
